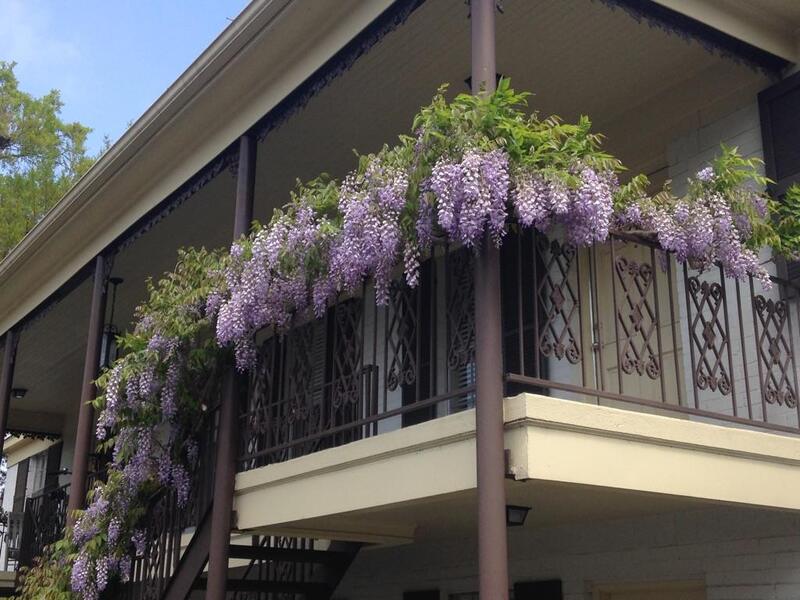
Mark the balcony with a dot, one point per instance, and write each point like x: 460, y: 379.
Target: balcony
x: 619, y: 325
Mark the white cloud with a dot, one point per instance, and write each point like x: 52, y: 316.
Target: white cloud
x: 31, y: 37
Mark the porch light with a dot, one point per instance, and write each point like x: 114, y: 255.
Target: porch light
x: 18, y: 393
x: 497, y: 78
x: 516, y: 515
x: 108, y: 349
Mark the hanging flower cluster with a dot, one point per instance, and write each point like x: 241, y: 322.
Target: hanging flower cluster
x: 720, y: 220
x: 148, y: 419
x: 473, y: 166
x: 453, y: 180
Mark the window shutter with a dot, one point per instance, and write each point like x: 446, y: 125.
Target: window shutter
x: 53, y: 466
x: 538, y: 590
x: 21, y: 486
x: 779, y: 106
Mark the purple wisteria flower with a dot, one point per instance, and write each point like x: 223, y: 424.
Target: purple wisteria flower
x: 82, y: 580
x: 585, y: 212
x: 706, y: 175
x: 472, y: 195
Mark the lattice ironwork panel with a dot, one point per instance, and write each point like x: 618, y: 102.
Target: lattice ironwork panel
x: 556, y: 294
x: 402, y: 329
x: 346, y: 362
x: 44, y: 522
x: 775, y: 355
x: 460, y: 309
x: 709, y: 335
x: 299, y: 412
x: 636, y: 318
x: 259, y: 420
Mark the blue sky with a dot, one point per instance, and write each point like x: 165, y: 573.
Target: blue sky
x: 111, y: 59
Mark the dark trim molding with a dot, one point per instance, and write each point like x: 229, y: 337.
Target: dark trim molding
x: 713, y: 40
x: 339, y: 63
x: 227, y: 159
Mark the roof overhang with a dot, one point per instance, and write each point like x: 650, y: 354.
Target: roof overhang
x: 222, y: 94
x: 254, y: 65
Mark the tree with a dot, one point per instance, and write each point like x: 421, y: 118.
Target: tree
x: 41, y: 156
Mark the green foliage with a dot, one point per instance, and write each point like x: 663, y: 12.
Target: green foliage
x: 49, y: 577
x: 501, y: 120
x: 786, y: 213
x: 176, y: 307
x: 41, y: 157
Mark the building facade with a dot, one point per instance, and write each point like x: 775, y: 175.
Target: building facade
x: 540, y: 422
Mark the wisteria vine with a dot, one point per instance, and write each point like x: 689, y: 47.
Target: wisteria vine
x: 472, y: 167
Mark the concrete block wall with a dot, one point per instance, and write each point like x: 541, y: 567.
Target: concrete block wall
x: 740, y: 554
x: 687, y: 155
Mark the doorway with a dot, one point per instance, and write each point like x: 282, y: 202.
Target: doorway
x: 684, y: 590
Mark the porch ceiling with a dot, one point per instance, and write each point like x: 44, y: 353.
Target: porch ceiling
x: 642, y: 86
x: 551, y: 503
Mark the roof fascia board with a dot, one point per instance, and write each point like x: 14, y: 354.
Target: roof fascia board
x: 783, y: 44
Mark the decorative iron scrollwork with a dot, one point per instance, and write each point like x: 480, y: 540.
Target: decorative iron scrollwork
x: 460, y: 309
x: 402, y: 329
x: 346, y: 356
x: 637, y: 319
x: 709, y: 336
x: 778, y: 379
x: 559, y: 334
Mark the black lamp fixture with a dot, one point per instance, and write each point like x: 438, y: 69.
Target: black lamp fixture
x: 516, y: 515
x: 18, y: 393
x: 497, y: 78
x: 108, y: 350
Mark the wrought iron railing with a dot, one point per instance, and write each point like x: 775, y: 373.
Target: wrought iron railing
x: 269, y: 570
x: 622, y: 323
x: 11, y: 527
x: 618, y: 323
x: 166, y: 523
x: 43, y: 523
x: 364, y: 368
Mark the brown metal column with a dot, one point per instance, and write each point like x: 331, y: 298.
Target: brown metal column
x: 91, y: 367
x: 6, y: 382
x: 224, y: 480
x: 492, y: 540
x: 227, y: 439
x: 245, y: 185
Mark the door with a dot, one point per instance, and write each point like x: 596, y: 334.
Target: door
x: 662, y: 591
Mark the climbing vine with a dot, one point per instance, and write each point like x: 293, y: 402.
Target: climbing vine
x: 471, y: 166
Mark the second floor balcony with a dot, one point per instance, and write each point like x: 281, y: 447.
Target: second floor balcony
x: 620, y: 324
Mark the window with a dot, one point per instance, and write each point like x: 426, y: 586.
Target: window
x: 780, y: 130
x: 37, y: 473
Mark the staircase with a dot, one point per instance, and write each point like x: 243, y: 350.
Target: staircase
x: 269, y: 568
x: 281, y: 568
